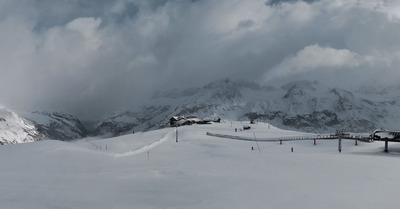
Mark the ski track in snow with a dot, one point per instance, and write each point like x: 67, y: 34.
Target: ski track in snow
x: 202, y: 172
x: 146, y: 147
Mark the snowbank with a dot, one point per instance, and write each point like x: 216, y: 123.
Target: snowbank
x: 152, y: 170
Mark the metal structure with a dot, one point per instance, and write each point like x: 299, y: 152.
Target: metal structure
x: 308, y: 137
x: 340, y: 134
x: 386, y: 136
x: 176, y: 133
x: 378, y: 135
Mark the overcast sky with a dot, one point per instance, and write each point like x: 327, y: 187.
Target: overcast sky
x: 95, y: 56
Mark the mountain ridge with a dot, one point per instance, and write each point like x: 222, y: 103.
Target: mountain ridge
x: 15, y: 129
x: 297, y: 105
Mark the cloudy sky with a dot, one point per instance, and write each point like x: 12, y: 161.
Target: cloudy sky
x: 94, y: 56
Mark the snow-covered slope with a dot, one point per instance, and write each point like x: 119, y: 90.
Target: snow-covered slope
x: 150, y: 170
x: 14, y: 129
x: 58, y: 125
x: 300, y: 105
x: 124, y: 122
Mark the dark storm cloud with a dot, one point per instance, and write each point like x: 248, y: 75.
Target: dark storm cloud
x: 277, y: 2
x: 91, y: 57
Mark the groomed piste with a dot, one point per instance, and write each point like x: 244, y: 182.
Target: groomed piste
x: 156, y: 169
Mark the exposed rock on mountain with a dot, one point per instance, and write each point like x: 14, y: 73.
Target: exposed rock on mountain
x: 14, y: 129
x: 118, y: 123
x: 58, y: 125
x: 301, y: 105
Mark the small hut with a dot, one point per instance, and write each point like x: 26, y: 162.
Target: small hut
x: 182, y: 120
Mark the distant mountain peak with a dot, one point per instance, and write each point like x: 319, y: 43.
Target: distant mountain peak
x: 15, y: 129
x: 302, y: 105
x: 294, y: 91
x: 58, y: 124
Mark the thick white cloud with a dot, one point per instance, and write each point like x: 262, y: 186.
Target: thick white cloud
x: 95, y: 56
x: 315, y: 58
x: 87, y: 28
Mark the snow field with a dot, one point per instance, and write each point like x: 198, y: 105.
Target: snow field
x: 151, y: 170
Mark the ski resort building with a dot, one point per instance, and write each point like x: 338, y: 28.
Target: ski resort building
x: 182, y: 120
x: 189, y: 120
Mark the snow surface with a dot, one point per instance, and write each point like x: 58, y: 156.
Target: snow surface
x: 14, y: 129
x: 152, y: 170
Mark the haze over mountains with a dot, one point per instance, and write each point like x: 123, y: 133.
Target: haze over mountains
x: 79, y: 76
x: 301, y: 105
x: 92, y: 57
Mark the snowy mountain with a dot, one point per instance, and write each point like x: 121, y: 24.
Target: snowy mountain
x: 14, y: 129
x: 301, y: 105
x: 34, y: 126
x: 124, y: 122
x: 57, y: 125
